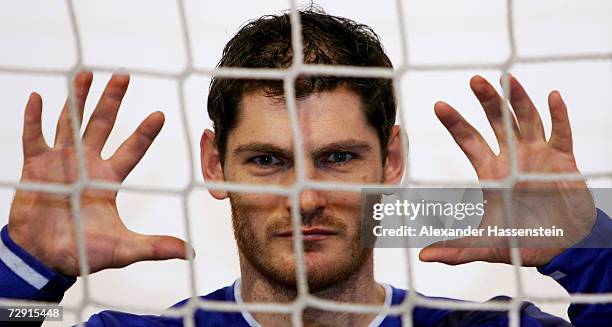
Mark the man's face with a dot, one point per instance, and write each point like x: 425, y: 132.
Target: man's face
x: 339, y: 147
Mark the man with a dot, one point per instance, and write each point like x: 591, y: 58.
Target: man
x: 348, y: 136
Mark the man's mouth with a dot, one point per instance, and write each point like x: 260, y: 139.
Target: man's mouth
x: 309, y: 234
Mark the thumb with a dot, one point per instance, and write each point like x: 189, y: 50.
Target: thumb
x: 157, y: 247
x: 456, y: 252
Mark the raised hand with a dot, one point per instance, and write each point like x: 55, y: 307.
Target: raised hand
x: 42, y: 223
x: 565, y: 204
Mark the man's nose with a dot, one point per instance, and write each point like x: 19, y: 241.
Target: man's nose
x: 312, y: 203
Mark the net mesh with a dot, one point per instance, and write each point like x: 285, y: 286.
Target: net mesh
x: 288, y: 76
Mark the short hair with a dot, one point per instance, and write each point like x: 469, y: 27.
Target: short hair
x: 327, y: 40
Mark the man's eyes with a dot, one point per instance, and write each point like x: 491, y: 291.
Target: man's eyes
x: 338, y: 158
x: 266, y: 161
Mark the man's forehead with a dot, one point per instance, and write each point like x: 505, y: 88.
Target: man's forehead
x: 329, y: 104
x: 329, y: 116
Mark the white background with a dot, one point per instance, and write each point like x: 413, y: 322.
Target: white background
x: 146, y: 35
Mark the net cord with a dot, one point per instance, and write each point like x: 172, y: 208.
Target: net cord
x: 304, y: 298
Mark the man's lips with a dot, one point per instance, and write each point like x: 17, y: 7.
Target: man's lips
x: 309, y: 234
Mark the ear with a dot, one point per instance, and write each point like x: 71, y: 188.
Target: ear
x: 211, y: 163
x: 394, y: 163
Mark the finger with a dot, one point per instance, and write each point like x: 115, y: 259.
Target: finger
x: 455, y: 252
x: 103, y: 118
x: 529, y: 120
x: 82, y: 83
x: 155, y: 247
x: 134, y: 148
x: 465, y: 135
x: 561, y: 135
x: 33, y: 139
x: 452, y: 256
x: 492, y: 104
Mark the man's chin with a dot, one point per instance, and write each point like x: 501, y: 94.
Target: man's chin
x: 312, y: 259
x: 327, y: 263
x: 323, y: 269
x: 326, y: 271
x: 320, y: 259
x: 317, y: 255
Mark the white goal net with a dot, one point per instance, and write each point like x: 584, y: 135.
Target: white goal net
x: 580, y: 62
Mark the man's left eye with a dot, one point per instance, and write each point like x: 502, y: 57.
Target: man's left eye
x: 266, y: 161
x: 339, y: 157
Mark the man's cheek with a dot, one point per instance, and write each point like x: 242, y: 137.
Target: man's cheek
x: 348, y: 203
x: 259, y: 202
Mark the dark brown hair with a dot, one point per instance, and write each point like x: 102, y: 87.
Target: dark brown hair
x: 327, y: 40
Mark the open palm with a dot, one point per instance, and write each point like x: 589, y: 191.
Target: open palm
x: 42, y: 223
x: 564, y: 204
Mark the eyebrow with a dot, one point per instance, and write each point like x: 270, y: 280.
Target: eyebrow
x: 261, y: 147
x: 345, y: 145
x: 350, y: 145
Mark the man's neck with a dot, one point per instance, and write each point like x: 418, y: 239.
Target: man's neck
x: 360, y: 287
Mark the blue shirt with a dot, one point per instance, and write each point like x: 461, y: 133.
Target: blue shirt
x: 579, y: 269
